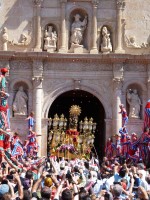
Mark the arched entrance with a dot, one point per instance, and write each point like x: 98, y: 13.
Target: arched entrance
x: 90, y: 107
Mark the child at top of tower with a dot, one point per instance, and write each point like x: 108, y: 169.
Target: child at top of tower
x: 123, y: 112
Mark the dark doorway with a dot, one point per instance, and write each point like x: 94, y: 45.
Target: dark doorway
x: 90, y: 107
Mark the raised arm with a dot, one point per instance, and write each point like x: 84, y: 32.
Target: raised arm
x: 20, y: 188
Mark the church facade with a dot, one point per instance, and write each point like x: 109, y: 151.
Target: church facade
x: 98, y: 46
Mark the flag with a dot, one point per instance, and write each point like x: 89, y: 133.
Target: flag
x: 147, y: 115
x: 17, y: 150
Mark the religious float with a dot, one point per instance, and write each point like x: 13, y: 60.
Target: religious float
x: 65, y: 140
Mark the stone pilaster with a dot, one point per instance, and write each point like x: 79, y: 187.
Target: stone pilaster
x: 37, y: 100
x: 117, y: 91
x: 37, y: 104
x: 120, y: 8
x: 117, y: 96
x: 37, y: 20
x: 94, y: 49
x: 63, y: 27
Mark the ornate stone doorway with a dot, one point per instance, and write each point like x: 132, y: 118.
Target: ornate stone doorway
x: 90, y: 107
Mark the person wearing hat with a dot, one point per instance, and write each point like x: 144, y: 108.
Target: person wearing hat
x: 3, y: 79
x: 4, y: 188
x: 48, y: 182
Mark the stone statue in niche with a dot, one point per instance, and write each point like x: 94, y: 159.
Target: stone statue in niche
x: 50, y: 40
x: 134, y: 103
x: 20, y: 102
x: 77, y: 30
x: 4, y: 39
x: 106, y: 46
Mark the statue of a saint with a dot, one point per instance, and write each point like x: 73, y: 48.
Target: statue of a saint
x: 106, y: 46
x: 134, y: 102
x: 77, y: 29
x: 5, y: 39
x: 20, y: 102
x: 50, y: 39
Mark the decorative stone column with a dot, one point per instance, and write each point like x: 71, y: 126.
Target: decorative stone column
x: 37, y: 18
x: 120, y: 8
x: 117, y: 120
x: 63, y: 27
x: 37, y: 99
x: 94, y: 49
x: 117, y: 96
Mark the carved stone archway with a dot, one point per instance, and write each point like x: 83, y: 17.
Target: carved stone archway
x: 65, y: 88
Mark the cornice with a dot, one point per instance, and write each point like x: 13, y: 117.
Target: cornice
x: 86, y: 58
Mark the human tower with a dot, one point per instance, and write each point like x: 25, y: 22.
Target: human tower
x: 10, y: 143
x: 131, y: 146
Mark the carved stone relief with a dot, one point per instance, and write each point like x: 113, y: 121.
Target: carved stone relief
x: 77, y: 66
x: 102, y: 87
x: 37, y: 65
x: 118, y: 72
x: 37, y: 2
x: 117, y: 85
x: 120, y: 4
x: 135, y: 67
x: 20, y: 65
x: 4, y: 64
x: 53, y: 84
x: 37, y: 82
x: 130, y: 40
x: 102, y: 84
x: 25, y: 38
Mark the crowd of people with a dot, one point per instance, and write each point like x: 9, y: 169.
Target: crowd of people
x: 122, y: 174
x: 75, y: 179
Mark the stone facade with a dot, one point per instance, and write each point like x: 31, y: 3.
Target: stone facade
x: 105, y: 73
